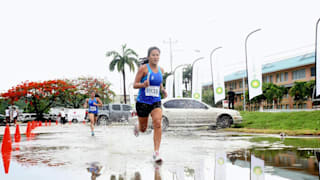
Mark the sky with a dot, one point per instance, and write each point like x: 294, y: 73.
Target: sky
x: 42, y: 39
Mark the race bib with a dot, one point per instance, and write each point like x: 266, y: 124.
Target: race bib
x: 152, y: 91
x: 93, y: 108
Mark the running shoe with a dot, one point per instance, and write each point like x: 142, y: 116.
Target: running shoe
x: 92, y: 133
x: 136, y: 129
x: 156, y: 157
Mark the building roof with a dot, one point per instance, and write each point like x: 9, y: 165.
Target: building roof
x: 289, y: 63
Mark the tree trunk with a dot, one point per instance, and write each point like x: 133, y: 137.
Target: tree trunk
x: 124, y: 86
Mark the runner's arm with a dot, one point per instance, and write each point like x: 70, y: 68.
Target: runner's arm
x: 137, y: 84
x: 162, y: 89
x: 86, y: 103
x: 99, y: 102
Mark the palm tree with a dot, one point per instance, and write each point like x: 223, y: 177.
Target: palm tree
x: 127, y: 56
x: 310, y: 86
x: 299, y: 91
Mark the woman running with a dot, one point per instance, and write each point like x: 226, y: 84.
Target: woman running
x: 149, y: 82
x: 93, y: 103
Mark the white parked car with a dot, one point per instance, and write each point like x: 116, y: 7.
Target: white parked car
x: 25, y: 117
x: 191, y: 112
x: 75, y: 115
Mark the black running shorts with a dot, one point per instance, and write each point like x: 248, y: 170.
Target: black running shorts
x: 143, y: 109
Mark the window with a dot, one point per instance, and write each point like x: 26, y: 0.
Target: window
x: 299, y: 106
x: 126, y: 107
x: 294, y: 106
x: 286, y: 96
x: 268, y: 79
x: 116, y: 107
x: 299, y: 74
x: 313, y: 71
x: 286, y: 76
x: 281, y: 77
x: 304, y: 106
x: 233, y: 85
x: 105, y: 107
x: 240, y: 84
x: 287, y: 106
x: 178, y: 104
x: 196, y: 105
x: 283, y: 106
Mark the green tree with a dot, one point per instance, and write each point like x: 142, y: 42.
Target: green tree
x: 165, y: 75
x: 126, y: 57
x: 4, y: 103
x: 273, y: 92
x: 299, y: 91
x: 187, y: 75
x: 310, y: 85
x: 41, y: 96
x: 84, y: 85
x: 207, y: 97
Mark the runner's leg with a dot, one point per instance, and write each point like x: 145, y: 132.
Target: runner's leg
x: 91, y: 117
x: 143, y: 124
x: 156, y: 115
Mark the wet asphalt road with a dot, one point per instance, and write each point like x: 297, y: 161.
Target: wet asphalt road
x: 70, y: 152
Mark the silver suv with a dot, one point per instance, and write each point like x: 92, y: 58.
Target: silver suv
x: 114, y: 113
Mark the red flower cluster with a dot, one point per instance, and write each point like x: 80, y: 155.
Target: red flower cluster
x: 38, y: 90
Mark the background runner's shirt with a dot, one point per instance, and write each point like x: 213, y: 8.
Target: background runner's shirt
x: 151, y: 94
x: 93, y: 108
x: 7, y: 112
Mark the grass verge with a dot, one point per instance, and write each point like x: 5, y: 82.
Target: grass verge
x: 291, y: 123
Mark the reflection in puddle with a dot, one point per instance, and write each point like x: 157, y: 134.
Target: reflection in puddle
x: 199, y: 155
x: 95, y: 170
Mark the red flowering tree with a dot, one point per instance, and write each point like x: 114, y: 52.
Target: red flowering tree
x: 40, y: 95
x: 84, y: 85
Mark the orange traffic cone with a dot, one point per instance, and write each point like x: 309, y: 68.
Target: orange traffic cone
x: 46, y: 123
x: 32, y: 136
x: 6, y: 142
x: 84, y: 121
x: 6, y: 161
x: 6, y: 149
x: 17, y: 135
x: 70, y: 122
x: 49, y: 122
x: 56, y: 122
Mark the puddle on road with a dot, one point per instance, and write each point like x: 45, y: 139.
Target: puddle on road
x: 188, y: 155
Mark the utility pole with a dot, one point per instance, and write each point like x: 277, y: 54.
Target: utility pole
x: 170, y: 42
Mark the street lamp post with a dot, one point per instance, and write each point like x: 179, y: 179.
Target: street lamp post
x: 316, y: 56
x: 211, y: 65
x: 170, y: 42
x: 198, y: 59
x: 174, y: 77
x: 243, y: 84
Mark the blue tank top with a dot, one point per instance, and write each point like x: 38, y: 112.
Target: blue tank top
x: 92, y: 108
x: 151, y: 94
